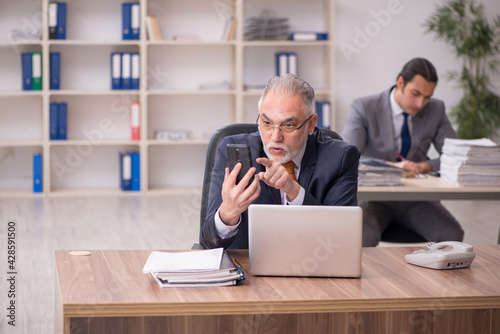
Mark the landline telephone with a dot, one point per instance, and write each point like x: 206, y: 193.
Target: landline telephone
x: 443, y: 255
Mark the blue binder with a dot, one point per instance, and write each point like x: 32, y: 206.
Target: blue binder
x: 308, y: 36
x: 61, y: 20
x: 37, y: 173
x: 116, y: 70
x: 135, y: 15
x: 136, y: 171
x: 286, y: 62
x: 126, y: 82
x: 125, y: 171
x: 53, y: 121
x: 55, y: 70
x: 281, y: 63
x: 135, y: 70
x: 323, y: 111
x: 126, y: 21
x: 36, y: 71
x: 26, y: 69
x: 62, y: 120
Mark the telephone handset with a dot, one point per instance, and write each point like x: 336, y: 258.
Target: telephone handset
x: 443, y: 255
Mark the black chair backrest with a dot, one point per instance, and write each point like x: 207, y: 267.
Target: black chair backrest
x: 228, y: 130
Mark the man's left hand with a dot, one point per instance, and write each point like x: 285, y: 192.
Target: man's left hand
x: 413, y: 168
x: 276, y: 176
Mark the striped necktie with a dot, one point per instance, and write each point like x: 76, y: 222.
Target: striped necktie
x: 405, y: 137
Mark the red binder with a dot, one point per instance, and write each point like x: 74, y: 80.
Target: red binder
x: 135, y: 121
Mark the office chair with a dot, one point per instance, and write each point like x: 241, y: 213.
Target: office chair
x: 393, y: 234
x: 228, y: 130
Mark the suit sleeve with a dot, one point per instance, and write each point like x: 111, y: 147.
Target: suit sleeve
x: 340, y: 187
x: 444, y: 130
x: 210, y: 235
x: 355, y: 129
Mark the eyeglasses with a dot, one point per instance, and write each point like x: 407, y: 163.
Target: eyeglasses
x: 288, y: 127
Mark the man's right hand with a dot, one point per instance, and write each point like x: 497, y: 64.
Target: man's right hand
x: 235, y: 198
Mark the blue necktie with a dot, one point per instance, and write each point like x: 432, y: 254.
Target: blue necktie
x: 405, y: 137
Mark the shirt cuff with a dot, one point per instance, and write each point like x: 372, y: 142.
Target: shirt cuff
x: 299, y: 200
x: 225, y: 231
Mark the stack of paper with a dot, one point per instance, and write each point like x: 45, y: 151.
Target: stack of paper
x: 211, y: 267
x: 266, y: 27
x: 474, y: 162
x: 375, y: 172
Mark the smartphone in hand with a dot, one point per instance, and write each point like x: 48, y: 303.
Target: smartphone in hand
x: 239, y: 153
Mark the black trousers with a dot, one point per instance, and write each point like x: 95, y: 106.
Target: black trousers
x: 430, y: 220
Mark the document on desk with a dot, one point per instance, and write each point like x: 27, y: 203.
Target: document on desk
x: 192, y: 261
x: 376, y: 172
x: 474, y: 162
x: 193, y: 269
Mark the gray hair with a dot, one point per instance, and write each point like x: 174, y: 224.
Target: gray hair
x: 291, y: 85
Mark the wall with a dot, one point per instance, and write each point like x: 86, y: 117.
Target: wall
x: 369, y: 65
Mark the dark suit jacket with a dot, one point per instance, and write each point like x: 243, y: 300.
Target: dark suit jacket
x: 369, y: 126
x: 328, y: 173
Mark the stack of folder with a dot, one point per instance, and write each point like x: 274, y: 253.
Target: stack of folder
x: 474, y: 162
x: 32, y: 70
x: 130, y: 20
x: 286, y: 62
x: 57, y: 20
x: 323, y: 110
x: 266, y: 27
x: 58, y: 119
x: 212, y: 267
x: 125, y: 70
x: 376, y: 172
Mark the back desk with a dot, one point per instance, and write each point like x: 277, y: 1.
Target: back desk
x: 430, y: 188
x: 107, y: 293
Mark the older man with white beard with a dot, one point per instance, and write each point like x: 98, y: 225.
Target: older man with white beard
x: 324, y: 171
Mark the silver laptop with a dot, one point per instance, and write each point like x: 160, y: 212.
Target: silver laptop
x: 322, y: 241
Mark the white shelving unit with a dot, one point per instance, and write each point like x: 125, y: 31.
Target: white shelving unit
x: 172, y: 71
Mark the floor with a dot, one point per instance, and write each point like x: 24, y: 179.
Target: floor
x: 160, y: 222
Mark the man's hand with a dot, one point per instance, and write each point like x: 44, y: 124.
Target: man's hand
x: 276, y: 176
x: 413, y: 168
x: 235, y: 198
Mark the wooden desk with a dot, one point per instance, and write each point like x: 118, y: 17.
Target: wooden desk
x: 106, y: 292
x: 427, y: 189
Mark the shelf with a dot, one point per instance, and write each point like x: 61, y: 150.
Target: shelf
x: 194, y: 141
x: 285, y: 43
x: 83, y: 42
x: 77, y: 92
x: 173, y: 95
x: 191, y: 92
x: 21, y: 42
x: 19, y: 93
x: 93, y: 192
x: 96, y: 141
x: 19, y: 193
x: 192, y: 43
x: 21, y: 143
